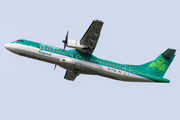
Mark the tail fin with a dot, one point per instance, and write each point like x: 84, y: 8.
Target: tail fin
x: 160, y: 65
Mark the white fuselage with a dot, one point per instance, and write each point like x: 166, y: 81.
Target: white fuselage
x: 73, y: 64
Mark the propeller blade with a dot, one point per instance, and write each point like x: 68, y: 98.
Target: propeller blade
x: 64, y: 47
x: 66, y: 40
x: 55, y: 67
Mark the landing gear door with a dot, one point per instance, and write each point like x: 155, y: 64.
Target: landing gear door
x: 77, y: 66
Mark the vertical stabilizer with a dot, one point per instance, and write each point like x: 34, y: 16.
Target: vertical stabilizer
x: 160, y: 65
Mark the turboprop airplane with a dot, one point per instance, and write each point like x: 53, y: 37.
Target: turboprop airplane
x: 81, y: 61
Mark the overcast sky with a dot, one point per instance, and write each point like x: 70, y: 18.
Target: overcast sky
x: 134, y: 32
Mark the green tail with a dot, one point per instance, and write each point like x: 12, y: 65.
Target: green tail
x: 160, y: 65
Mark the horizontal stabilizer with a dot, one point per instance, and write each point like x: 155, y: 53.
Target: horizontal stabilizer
x: 169, y: 53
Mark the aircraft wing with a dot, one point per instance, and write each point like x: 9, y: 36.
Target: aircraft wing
x: 70, y: 75
x: 91, y: 37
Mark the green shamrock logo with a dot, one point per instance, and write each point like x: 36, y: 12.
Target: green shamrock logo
x: 158, y: 64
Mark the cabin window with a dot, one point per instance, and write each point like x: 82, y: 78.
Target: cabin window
x: 64, y: 53
x: 78, y: 56
x: 51, y: 49
x: 108, y: 64
x: 105, y: 63
x: 81, y: 57
x: 74, y: 55
x: 102, y: 62
x: 68, y: 53
x: 111, y: 64
x: 114, y: 65
x: 88, y: 58
x: 98, y: 61
x: 91, y: 59
x: 48, y: 49
x: 55, y: 50
x: 95, y: 61
x: 118, y: 66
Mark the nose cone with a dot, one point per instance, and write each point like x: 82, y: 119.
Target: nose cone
x: 7, y: 46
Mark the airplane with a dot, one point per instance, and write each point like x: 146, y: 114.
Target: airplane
x: 80, y: 59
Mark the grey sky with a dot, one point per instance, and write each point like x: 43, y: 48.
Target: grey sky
x: 134, y: 32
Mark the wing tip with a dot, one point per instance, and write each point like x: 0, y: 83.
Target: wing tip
x: 96, y: 20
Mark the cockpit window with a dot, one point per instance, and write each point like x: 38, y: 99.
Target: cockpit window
x: 19, y: 41
x: 16, y: 41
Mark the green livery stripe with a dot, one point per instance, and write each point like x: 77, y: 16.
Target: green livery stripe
x: 91, y: 58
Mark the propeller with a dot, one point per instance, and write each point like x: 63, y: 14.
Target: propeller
x: 65, y: 44
x: 66, y: 40
x: 55, y: 67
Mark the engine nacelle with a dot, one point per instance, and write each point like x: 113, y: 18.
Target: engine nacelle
x: 75, y: 44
